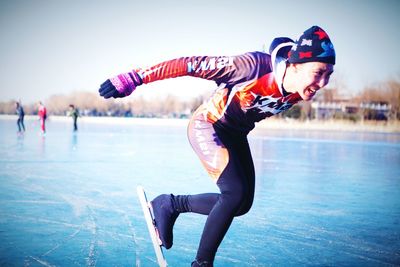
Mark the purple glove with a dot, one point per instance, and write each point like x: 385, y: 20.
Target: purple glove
x: 121, y: 85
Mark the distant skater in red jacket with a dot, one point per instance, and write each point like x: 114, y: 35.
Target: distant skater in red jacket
x: 42, y: 112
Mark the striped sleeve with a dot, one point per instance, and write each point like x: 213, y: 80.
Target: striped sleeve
x: 221, y: 69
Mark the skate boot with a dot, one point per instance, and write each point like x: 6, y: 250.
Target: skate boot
x: 164, y: 216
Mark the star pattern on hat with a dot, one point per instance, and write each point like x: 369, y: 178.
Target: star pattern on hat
x: 306, y: 42
x: 321, y: 34
x: 329, y: 51
x: 314, y: 45
x: 307, y: 54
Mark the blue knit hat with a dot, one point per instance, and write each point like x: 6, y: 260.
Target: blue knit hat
x: 313, y: 45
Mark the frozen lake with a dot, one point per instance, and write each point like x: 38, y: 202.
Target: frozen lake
x: 69, y: 199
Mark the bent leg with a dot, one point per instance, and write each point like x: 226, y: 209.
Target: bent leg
x: 228, y: 161
x: 22, y: 123
x: 19, y: 124
x: 205, y: 142
x: 237, y: 192
x: 201, y: 203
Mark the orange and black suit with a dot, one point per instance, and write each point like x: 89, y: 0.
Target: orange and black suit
x: 249, y: 90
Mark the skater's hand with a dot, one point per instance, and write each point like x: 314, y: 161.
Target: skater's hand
x: 121, y: 85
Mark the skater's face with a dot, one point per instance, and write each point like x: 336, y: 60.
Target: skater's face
x: 311, y: 77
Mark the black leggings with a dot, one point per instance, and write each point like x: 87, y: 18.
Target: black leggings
x: 235, y: 179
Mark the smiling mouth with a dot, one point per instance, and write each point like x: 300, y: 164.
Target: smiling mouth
x: 310, y: 92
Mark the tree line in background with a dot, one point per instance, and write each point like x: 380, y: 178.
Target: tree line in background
x: 91, y: 104
x: 379, y: 102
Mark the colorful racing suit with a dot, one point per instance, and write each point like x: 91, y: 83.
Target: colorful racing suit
x: 249, y: 90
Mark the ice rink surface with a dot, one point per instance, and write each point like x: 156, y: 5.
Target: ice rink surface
x: 69, y: 199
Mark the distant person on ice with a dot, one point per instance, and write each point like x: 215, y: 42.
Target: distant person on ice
x: 42, y: 112
x: 20, y: 121
x: 251, y: 87
x: 74, y: 113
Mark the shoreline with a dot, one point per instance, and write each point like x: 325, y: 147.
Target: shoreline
x: 271, y: 123
x: 331, y: 125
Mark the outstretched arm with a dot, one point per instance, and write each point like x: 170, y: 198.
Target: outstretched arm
x: 221, y: 69
x: 210, y: 68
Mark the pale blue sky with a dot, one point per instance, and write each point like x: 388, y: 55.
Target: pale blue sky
x: 60, y: 46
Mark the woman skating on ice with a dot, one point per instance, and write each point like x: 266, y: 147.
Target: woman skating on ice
x: 251, y: 87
